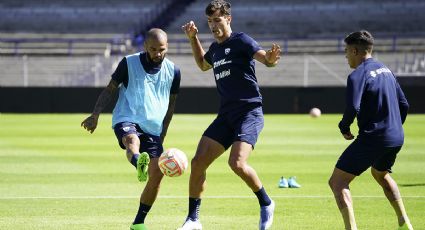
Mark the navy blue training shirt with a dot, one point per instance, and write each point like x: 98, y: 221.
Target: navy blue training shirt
x: 375, y: 97
x: 234, y: 71
x: 121, y: 72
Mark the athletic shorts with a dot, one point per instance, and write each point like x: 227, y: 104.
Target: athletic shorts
x: 148, y: 143
x: 358, y: 157
x: 243, y: 125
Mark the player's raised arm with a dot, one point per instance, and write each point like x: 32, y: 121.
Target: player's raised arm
x: 90, y: 123
x: 270, y: 57
x: 198, y: 52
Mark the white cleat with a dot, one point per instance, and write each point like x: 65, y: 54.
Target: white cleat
x: 293, y: 183
x: 191, y: 225
x: 266, y: 216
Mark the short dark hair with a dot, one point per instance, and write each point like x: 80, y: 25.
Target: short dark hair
x: 361, y: 39
x: 221, y: 5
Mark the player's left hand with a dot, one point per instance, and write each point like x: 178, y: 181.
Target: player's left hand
x: 348, y: 136
x: 273, y: 54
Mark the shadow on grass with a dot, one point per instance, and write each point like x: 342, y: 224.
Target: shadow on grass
x: 411, y: 185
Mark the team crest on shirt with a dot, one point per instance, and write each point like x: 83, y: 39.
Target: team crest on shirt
x: 227, y: 51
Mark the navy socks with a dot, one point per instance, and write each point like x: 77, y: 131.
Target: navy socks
x: 134, y: 159
x: 263, y: 198
x: 194, y: 204
x: 141, y: 214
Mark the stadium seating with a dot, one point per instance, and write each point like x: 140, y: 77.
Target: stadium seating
x: 80, y: 42
x: 77, y: 16
x: 321, y: 18
x: 61, y: 27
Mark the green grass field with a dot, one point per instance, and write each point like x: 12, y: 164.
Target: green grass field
x: 55, y: 175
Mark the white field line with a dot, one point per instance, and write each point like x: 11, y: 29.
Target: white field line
x: 182, y: 197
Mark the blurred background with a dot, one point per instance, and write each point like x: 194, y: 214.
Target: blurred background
x: 57, y: 55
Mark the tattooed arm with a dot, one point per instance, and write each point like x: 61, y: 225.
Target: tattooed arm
x: 90, y: 123
x: 168, y: 116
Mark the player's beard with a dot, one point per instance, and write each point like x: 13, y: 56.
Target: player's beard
x: 156, y: 60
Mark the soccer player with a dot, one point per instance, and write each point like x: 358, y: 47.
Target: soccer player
x: 240, y: 117
x: 148, y: 84
x: 373, y: 96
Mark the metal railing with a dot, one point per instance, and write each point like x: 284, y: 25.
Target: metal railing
x: 178, y: 44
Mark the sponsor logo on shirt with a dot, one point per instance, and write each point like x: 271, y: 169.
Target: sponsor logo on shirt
x: 223, y: 74
x: 375, y: 73
x: 221, y: 62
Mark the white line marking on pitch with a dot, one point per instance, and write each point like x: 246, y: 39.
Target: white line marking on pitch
x: 182, y: 197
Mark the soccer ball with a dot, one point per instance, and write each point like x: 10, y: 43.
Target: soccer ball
x: 172, y: 162
x: 315, y: 112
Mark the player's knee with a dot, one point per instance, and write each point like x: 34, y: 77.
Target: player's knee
x: 155, y: 179
x: 374, y: 174
x: 197, y: 164
x: 335, y: 184
x: 331, y: 183
x: 236, y: 166
x: 130, y: 140
x: 153, y: 185
x: 382, y: 179
x: 379, y: 176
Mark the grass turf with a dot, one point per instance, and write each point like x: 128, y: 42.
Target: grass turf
x: 54, y: 175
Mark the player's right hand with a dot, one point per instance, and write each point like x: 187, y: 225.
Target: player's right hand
x: 273, y: 54
x: 90, y: 123
x: 190, y: 29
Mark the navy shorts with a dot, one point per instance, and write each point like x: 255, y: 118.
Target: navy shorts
x: 243, y: 125
x: 148, y: 143
x: 358, y: 157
